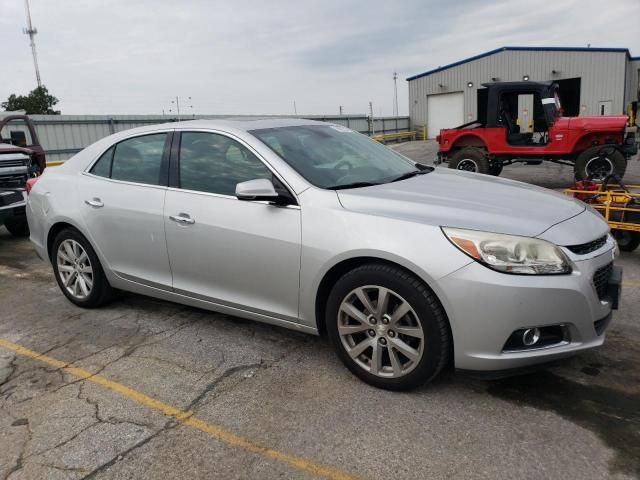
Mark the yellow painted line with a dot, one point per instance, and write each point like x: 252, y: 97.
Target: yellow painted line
x: 629, y: 283
x: 183, y: 416
x: 55, y: 163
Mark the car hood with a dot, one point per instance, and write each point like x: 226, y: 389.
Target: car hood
x: 465, y: 200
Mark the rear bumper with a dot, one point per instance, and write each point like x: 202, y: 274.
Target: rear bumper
x: 486, y: 307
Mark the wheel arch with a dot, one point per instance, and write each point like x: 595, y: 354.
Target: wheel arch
x: 594, y: 139
x: 468, y: 140
x: 345, y: 265
x: 60, y: 225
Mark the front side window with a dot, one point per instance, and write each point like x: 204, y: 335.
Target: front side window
x: 216, y: 164
x: 139, y: 159
x: 330, y: 156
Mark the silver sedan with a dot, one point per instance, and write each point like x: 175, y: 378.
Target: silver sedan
x: 314, y: 227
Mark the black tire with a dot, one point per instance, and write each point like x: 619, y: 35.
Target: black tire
x: 599, y: 158
x: 17, y: 226
x: 495, y: 168
x: 437, y: 342
x: 470, y: 159
x: 101, y: 292
x: 627, y: 240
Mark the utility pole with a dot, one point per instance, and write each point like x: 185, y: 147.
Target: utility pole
x: 295, y: 109
x: 340, y: 110
x: 373, y: 128
x: 32, y: 31
x: 395, y: 94
x: 177, y: 104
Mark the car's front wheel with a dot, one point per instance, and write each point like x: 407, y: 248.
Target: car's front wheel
x: 388, y: 327
x: 78, y: 270
x: 598, y: 162
x: 17, y: 226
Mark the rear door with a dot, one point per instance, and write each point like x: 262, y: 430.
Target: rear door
x: 239, y: 254
x: 122, y: 199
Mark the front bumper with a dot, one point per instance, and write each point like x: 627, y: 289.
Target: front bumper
x: 12, y: 203
x: 485, y: 307
x: 630, y: 146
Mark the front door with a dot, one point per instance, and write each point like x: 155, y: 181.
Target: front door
x: 235, y: 253
x: 121, y: 203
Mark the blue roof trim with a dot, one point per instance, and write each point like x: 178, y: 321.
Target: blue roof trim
x: 524, y: 49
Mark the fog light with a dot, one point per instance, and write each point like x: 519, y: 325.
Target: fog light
x: 530, y: 336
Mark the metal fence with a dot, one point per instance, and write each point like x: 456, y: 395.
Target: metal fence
x: 62, y: 136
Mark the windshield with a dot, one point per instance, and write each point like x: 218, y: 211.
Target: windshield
x: 331, y: 156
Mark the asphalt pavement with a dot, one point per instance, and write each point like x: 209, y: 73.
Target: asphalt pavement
x: 148, y: 389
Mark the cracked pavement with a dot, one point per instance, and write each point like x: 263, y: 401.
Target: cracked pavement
x: 287, y: 390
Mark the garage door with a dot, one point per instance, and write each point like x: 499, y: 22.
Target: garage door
x: 444, y: 111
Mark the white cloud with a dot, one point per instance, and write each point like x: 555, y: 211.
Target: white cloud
x: 252, y: 56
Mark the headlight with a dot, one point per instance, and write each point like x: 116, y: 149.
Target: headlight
x: 509, y: 253
x: 616, y: 248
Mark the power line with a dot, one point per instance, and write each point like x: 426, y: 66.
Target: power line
x: 32, y: 31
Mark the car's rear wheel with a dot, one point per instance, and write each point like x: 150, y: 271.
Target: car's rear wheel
x: 627, y: 240
x: 17, y: 226
x: 388, y: 327
x: 78, y: 270
x: 495, y: 168
x: 470, y: 159
x: 599, y: 162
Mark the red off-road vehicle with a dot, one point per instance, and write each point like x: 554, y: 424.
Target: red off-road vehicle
x: 596, y: 146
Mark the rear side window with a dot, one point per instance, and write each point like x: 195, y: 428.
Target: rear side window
x: 102, y: 168
x: 139, y: 159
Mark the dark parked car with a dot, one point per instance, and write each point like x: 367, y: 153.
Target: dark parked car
x: 21, y: 158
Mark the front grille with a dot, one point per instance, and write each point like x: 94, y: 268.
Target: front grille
x: 12, y: 163
x: 601, y: 280
x: 588, y: 247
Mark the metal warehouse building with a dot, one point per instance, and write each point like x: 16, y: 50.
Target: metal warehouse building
x: 592, y: 81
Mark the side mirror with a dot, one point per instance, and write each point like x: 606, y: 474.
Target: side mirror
x: 257, y: 190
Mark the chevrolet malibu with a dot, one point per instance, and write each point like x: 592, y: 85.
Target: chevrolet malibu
x: 317, y: 228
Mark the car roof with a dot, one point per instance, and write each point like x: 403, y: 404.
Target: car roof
x: 237, y: 123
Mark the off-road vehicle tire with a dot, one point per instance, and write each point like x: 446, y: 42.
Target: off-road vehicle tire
x: 17, y: 226
x: 583, y: 167
x: 387, y: 329
x: 470, y: 159
x: 100, y: 292
x: 627, y: 240
x: 495, y: 168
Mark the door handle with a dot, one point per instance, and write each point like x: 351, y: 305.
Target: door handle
x: 182, y: 218
x: 94, y: 202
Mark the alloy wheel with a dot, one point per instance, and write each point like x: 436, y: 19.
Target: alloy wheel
x: 380, y: 331
x: 74, y: 269
x: 599, y: 167
x: 468, y: 165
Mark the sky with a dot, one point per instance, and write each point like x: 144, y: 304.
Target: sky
x: 259, y: 57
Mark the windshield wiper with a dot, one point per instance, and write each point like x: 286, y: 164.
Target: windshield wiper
x: 410, y: 174
x: 352, y: 185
